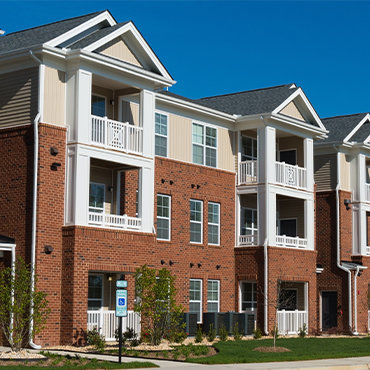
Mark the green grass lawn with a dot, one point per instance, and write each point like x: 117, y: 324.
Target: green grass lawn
x: 301, y: 349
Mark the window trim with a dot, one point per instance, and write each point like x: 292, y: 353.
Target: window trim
x: 218, y: 295
x: 96, y: 208
x: 105, y: 103
x: 204, y: 143
x: 241, y: 282
x: 164, y: 218
x: 296, y: 298
x: 254, y: 229
x: 197, y: 222
x: 167, y: 137
x: 219, y: 223
x: 241, y: 147
x: 102, y: 291
x: 200, y: 301
x: 288, y: 219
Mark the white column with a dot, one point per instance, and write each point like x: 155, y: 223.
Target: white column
x: 309, y: 225
x: 361, y: 170
x: 81, y: 188
x: 266, y: 137
x: 270, y: 212
x: 308, y: 162
x: 362, y: 235
x: 238, y: 217
x: 146, y: 198
x: 147, y: 107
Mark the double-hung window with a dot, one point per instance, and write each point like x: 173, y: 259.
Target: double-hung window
x: 249, y: 225
x: 213, y: 296
x: 213, y: 223
x: 195, y: 298
x: 163, y: 216
x: 196, y: 221
x: 249, y: 148
x: 95, y: 292
x: 161, y: 121
x: 96, y: 197
x: 248, y: 296
x: 98, y: 105
x: 204, y: 141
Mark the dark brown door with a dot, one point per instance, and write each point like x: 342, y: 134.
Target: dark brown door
x: 329, y: 310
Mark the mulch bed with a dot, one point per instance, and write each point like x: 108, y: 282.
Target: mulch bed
x: 272, y: 349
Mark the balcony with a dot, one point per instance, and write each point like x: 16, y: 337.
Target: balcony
x: 247, y: 172
x: 289, y: 322
x: 121, y: 136
x: 248, y: 240
x: 289, y: 175
x: 291, y: 242
x: 367, y: 192
x: 114, y: 221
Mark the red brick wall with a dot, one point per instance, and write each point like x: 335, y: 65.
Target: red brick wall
x: 129, y: 185
x: 345, y: 226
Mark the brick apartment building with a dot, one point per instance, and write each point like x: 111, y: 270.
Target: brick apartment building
x: 103, y: 170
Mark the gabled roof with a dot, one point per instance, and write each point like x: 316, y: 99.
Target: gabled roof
x: 341, y: 126
x: 42, y: 34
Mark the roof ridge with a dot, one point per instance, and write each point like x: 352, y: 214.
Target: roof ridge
x: 48, y: 24
x: 245, y: 91
x: 345, y: 115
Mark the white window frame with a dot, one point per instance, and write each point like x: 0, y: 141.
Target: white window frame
x: 105, y: 103
x: 165, y: 218
x: 196, y: 222
x: 288, y: 219
x: 102, y: 291
x: 204, y: 143
x: 253, y: 228
x: 195, y: 301
x: 241, y: 295
x: 94, y: 209
x: 160, y: 135
x: 218, y: 294
x: 241, y: 147
x: 296, y: 296
x: 213, y: 224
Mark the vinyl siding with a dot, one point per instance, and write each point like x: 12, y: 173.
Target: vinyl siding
x: 292, y: 111
x: 225, y: 149
x: 345, y: 172
x: 103, y: 176
x: 130, y: 112
x: 18, y: 97
x: 293, y: 208
x: 293, y: 142
x: 325, y: 171
x: 180, y: 138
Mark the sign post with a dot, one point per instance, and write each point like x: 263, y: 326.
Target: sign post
x: 121, y: 310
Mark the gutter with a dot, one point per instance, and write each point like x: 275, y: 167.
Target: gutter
x: 34, y: 202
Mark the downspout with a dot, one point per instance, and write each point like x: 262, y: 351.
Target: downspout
x: 34, y: 201
x: 355, y: 301
x: 338, y: 245
x: 265, y: 286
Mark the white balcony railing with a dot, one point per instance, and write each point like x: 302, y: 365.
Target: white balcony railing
x: 114, y: 221
x: 248, y: 240
x: 247, y: 172
x: 291, y: 241
x: 116, y: 135
x: 289, y: 175
x: 107, y: 322
x: 289, y: 322
x: 367, y: 192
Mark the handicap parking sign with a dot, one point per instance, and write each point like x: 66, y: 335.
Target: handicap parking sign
x: 121, y: 303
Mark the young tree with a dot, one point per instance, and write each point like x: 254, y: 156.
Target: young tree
x: 16, y: 299
x: 156, y: 302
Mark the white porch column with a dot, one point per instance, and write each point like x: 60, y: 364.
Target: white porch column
x: 266, y: 145
x: 308, y: 162
x: 362, y: 234
x: 309, y: 225
x: 361, y: 171
x: 146, y: 198
x: 147, y: 107
x: 266, y: 213
x: 238, y: 217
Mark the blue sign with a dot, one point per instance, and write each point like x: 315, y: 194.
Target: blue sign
x: 121, y: 303
x: 121, y: 284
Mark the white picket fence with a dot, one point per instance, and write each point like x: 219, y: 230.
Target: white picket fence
x: 116, y: 135
x: 289, y: 322
x: 247, y: 172
x: 115, y: 221
x: 107, y: 322
x: 289, y: 175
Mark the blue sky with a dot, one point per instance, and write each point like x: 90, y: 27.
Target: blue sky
x: 218, y: 47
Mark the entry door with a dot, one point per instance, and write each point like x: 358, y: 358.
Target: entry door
x: 329, y: 310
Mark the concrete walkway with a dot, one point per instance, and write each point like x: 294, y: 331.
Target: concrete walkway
x: 351, y: 363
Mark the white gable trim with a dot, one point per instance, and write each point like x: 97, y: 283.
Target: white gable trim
x: 366, y: 118
x: 300, y: 93
x: 82, y: 27
x: 129, y: 27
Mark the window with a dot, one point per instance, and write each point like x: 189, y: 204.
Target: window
x: 213, y: 223
x: 288, y: 156
x: 249, y: 148
x: 213, y: 296
x: 195, y: 298
x: 249, y: 222
x: 196, y: 221
x: 161, y: 135
x: 98, y: 105
x: 248, y: 296
x: 288, y: 227
x: 204, y: 140
x: 96, y: 197
x: 163, y: 216
x: 95, y: 292
x: 288, y: 299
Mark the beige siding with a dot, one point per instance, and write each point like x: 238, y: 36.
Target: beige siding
x: 293, y: 208
x: 293, y: 142
x: 345, y: 172
x: 103, y: 176
x: 130, y: 112
x: 54, y: 96
x: 18, y: 97
x: 292, y: 110
x: 225, y: 149
x: 118, y: 49
x: 180, y: 138
x: 325, y: 171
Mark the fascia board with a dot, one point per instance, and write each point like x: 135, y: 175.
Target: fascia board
x: 339, y: 144
x: 307, y: 103
x: 194, y: 107
x: 129, y: 27
x: 366, y: 118
x: 106, y: 16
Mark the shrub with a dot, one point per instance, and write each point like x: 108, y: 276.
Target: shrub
x: 94, y: 338
x: 177, y: 336
x: 223, y: 333
x: 303, y: 331
x: 211, y: 333
x: 199, y: 335
x: 236, y: 332
x: 257, y: 333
